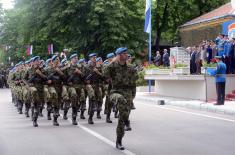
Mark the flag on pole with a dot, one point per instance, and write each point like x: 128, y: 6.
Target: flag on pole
x: 29, y: 50
x: 147, y: 25
x: 50, y: 49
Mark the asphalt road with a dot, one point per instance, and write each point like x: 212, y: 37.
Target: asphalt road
x: 157, y: 130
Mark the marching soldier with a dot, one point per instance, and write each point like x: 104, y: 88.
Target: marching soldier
x: 108, y: 86
x: 55, y: 77
x: 119, y: 72
x: 76, y: 85
x: 35, y: 78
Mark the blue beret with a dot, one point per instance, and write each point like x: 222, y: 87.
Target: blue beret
x: 48, y: 60
x: 121, y: 50
x: 98, y: 59
x: 20, y: 63
x: 42, y: 61
x: 54, y: 57
x: 30, y: 60
x: 106, y: 62
x: 63, y: 61
x: 73, y: 56
x: 218, y: 57
x: 81, y: 60
x: 92, y: 54
x: 36, y: 58
x: 110, y: 55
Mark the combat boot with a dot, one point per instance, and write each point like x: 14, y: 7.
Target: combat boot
x: 127, y: 126
x: 55, y: 123
x: 108, y: 120
x: 133, y: 106
x: 116, y: 114
x: 48, y: 115
x: 82, y: 114
x: 65, y: 115
x: 35, y: 123
x: 90, y: 120
x: 74, y: 121
x: 119, y: 144
x: 20, y: 107
x: 74, y: 116
x: 98, y: 115
x: 40, y: 112
x: 27, y: 107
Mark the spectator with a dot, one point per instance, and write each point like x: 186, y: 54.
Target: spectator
x: 208, y: 54
x: 166, y: 59
x: 193, y: 67
x: 158, y: 59
x: 198, y: 60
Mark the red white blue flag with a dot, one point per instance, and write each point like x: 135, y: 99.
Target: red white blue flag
x: 50, y: 49
x: 30, y: 50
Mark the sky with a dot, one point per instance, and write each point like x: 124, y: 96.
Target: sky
x: 7, y: 4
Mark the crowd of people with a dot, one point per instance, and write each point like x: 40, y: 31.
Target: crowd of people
x: 162, y: 60
x: 60, y: 85
x: 206, y: 51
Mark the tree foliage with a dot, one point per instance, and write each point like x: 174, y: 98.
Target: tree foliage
x: 93, y: 25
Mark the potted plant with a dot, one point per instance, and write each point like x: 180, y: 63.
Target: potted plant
x: 181, y: 69
x: 205, y: 65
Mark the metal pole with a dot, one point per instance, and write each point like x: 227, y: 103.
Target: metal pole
x: 150, y: 45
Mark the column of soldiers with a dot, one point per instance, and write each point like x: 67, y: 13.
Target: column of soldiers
x: 4, y: 70
x: 68, y: 84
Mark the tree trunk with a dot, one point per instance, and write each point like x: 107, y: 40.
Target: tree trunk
x: 164, y: 19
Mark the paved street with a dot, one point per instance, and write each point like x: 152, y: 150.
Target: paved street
x: 157, y: 130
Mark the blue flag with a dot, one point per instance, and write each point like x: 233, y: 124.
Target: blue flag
x: 147, y: 25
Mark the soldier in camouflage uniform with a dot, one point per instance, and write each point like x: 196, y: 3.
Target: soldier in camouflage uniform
x: 133, y: 80
x: 35, y: 79
x: 119, y: 72
x: 65, y: 95
x: 98, y: 85
x: 47, y: 97
x: 25, y: 89
x: 11, y: 84
x: 17, y: 79
x: 55, y: 78
x: 83, y: 97
x: 107, y: 87
x: 92, y: 86
x: 76, y: 84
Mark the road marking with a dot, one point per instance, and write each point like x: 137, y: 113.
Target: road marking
x: 192, y: 113
x: 100, y: 137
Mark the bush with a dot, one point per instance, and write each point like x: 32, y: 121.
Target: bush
x: 141, y: 81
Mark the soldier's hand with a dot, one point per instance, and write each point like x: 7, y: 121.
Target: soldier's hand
x: 96, y: 70
x: 70, y: 83
x: 78, y: 71
x: 38, y: 71
x: 57, y: 69
x: 49, y: 81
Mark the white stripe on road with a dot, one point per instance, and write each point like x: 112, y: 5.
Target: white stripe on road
x: 192, y: 113
x: 100, y: 137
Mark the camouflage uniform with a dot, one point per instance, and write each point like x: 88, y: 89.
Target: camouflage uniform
x: 76, y: 87
x: 35, y: 82
x: 18, y: 89
x: 121, y: 93
x: 55, y: 90
x: 26, y: 93
x: 94, y: 90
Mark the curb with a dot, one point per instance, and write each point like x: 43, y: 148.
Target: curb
x: 201, y: 106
